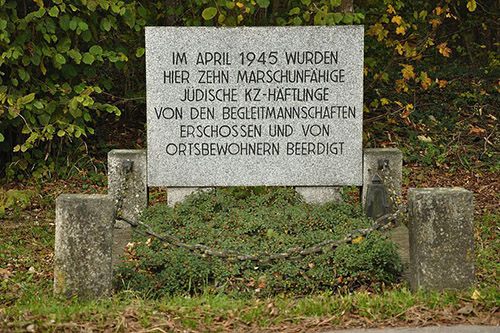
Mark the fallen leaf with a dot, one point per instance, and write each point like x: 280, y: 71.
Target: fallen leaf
x: 466, y: 309
x: 358, y: 240
x: 407, y: 112
x: 274, y: 311
x: 476, y: 130
x: 442, y: 83
x: 449, y: 310
x: 476, y: 295
x: 5, y: 273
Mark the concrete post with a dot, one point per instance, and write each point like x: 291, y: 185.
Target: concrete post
x: 320, y: 194
x: 127, y: 185
x: 388, y: 163
x: 388, y: 160
x: 83, y: 245
x: 441, y: 223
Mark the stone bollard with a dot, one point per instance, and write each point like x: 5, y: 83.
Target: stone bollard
x: 387, y: 162
x: 83, y: 246
x: 127, y: 184
x: 320, y: 194
x: 441, y: 223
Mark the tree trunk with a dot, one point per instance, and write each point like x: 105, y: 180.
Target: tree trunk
x: 347, y: 6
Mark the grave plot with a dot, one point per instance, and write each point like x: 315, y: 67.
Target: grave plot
x: 247, y: 109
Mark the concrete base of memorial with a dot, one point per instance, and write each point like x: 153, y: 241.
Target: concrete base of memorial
x: 176, y: 195
x: 320, y: 194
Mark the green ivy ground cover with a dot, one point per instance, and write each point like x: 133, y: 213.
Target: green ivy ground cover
x: 251, y: 220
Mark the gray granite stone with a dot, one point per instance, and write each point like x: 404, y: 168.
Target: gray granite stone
x: 441, y: 224
x: 127, y: 185
x: 320, y: 194
x: 83, y: 245
x: 227, y: 136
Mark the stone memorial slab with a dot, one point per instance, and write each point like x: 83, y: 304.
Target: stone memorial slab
x: 254, y: 106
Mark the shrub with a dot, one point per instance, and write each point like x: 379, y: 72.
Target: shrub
x: 253, y: 220
x: 58, y: 65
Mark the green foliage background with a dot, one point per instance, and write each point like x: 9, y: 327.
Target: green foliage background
x: 67, y: 67
x: 59, y: 65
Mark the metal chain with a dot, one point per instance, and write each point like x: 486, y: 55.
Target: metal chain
x: 296, y: 253
x: 201, y: 250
